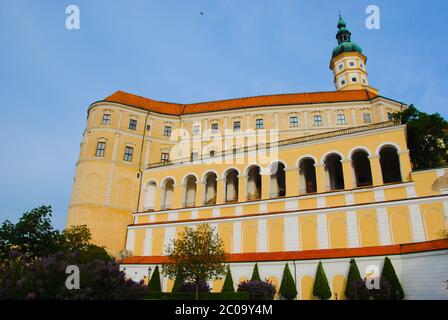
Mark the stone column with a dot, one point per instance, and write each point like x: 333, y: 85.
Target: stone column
x: 375, y: 167
x: 265, y: 184
x: 320, y: 177
x: 348, y: 176
x: 242, y: 188
x: 199, y: 193
x: 158, y: 200
x: 178, y: 197
x: 292, y: 181
x: 405, y: 165
x: 220, y: 190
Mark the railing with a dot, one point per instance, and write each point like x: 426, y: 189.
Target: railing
x: 276, y: 144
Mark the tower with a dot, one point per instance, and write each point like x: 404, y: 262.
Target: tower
x: 348, y: 63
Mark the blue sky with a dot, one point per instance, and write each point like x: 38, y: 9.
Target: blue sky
x: 167, y: 50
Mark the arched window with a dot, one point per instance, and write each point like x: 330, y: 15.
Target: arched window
x: 210, y: 189
x: 254, y: 183
x: 307, y: 176
x: 335, y: 175
x: 190, y: 191
x: 278, y: 180
x: 231, y: 191
x: 361, y: 167
x: 168, y: 194
x: 390, y: 165
x: 150, y: 196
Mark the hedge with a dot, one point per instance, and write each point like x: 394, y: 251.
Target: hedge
x: 202, y: 296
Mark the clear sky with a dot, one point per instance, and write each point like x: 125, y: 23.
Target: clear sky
x: 167, y: 50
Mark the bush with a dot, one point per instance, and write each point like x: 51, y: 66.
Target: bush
x: 177, y: 284
x: 255, y: 274
x: 389, y: 275
x: 288, y: 288
x: 321, y: 288
x: 44, y: 278
x: 258, y: 290
x: 190, y: 287
x: 352, y: 278
x: 228, y: 282
x: 202, y: 296
x: 361, y: 292
x: 154, y: 284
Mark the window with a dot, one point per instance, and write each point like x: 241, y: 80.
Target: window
x: 196, y: 130
x: 354, y: 79
x: 366, y: 117
x: 352, y: 64
x: 193, y: 156
x: 212, y: 153
x: 317, y: 120
x: 100, y: 148
x: 132, y: 124
x: 259, y: 124
x: 361, y: 65
x: 341, y: 119
x: 167, y: 131
x: 342, y: 82
x: 236, y: 125
x: 148, y: 127
x: 164, y: 157
x: 106, y: 118
x: 390, y: 117
x: 128, y: 153
x: 364, y: 80
x: 340, y: 66
x: 293, y: 121
x: 214, y: 128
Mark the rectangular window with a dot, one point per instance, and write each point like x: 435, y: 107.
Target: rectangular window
x: 259, y: 123
x: 167, y: 131
x: 148, y: 127
x: 100, y: 148
x: 352, y: 64
x: 354, y: 79
x: 133, y: 124
x: 128, y: 153
x: 366, y: 117
x: 196, y: 130
x: 236, y: 125
x: 341, y: 119
x: 164, y: 157
x: 341, y: 66
x: 390, y: 117
x: 214, y: 128
x: 293, y: 121
x: 106, y: 118
x: 317, y: 120
x: 194, y: 156
x: 342, y: 82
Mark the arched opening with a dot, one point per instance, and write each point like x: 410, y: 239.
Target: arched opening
x: 390, y: 165
x: 150, y: 196
x: 231, y: 189
x: 210, y: 182
x: 254, y: 183
x: 190, y: 191
x: 168, y: 194
x: 361, y: 167
x: 278, y: 180
x: 333, y: 169
x: 307, y: 176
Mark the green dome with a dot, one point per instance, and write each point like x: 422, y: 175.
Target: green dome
x: 346, y: 47
x: 344, y: 40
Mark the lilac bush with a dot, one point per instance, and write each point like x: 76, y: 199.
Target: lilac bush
x: 258, y: 290
x: 44, y: 278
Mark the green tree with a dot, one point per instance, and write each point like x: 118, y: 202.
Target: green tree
x: 228, y: 282
x: 178, y: 282
x: 427, y: 137
x: 353, y: 278
x: 154, y: 284
x: 196, y: 255
x: 255, y: 274
x: 388, y: 274
x: 321, y: 288
x: 288, y: 288
x: 33, y: 234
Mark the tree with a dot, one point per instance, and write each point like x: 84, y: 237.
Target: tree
x: 177, y: 284
x: 389, y: 275
x: 288, y: 288
x: 427, y: 137
x: 353, y: 278
x: 255, y: 274
x: 196, y: 255
x: 33, y: 235
x: 228, y: 282
x: 321, y: 288
x: 154, y: 284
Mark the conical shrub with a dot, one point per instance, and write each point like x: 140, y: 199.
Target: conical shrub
x: 228, y: 282
x: 353, y: 278
x: 388, y: 274
x: 255, y: 274
x: 288, y: 288
x: 154, y: 284
x: 321, y: 288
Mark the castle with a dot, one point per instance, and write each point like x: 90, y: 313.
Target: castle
x: 287, y: 178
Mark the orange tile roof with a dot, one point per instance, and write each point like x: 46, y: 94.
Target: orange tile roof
x: 239, y: 103
x: 313, y: 254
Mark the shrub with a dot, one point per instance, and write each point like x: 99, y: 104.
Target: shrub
x: 44, y: 278
x: 352, y: 278
x: 228, y: 282
x: 361, y: 292
x: 154, y: 284
x: 321, y: 288
x: 389, y: 275
x: 288, y: 288
x: 255, y: 274
x: 191, y: 287
x: 258, y: 290
x: 177, y: 284
x: 202, y: 296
